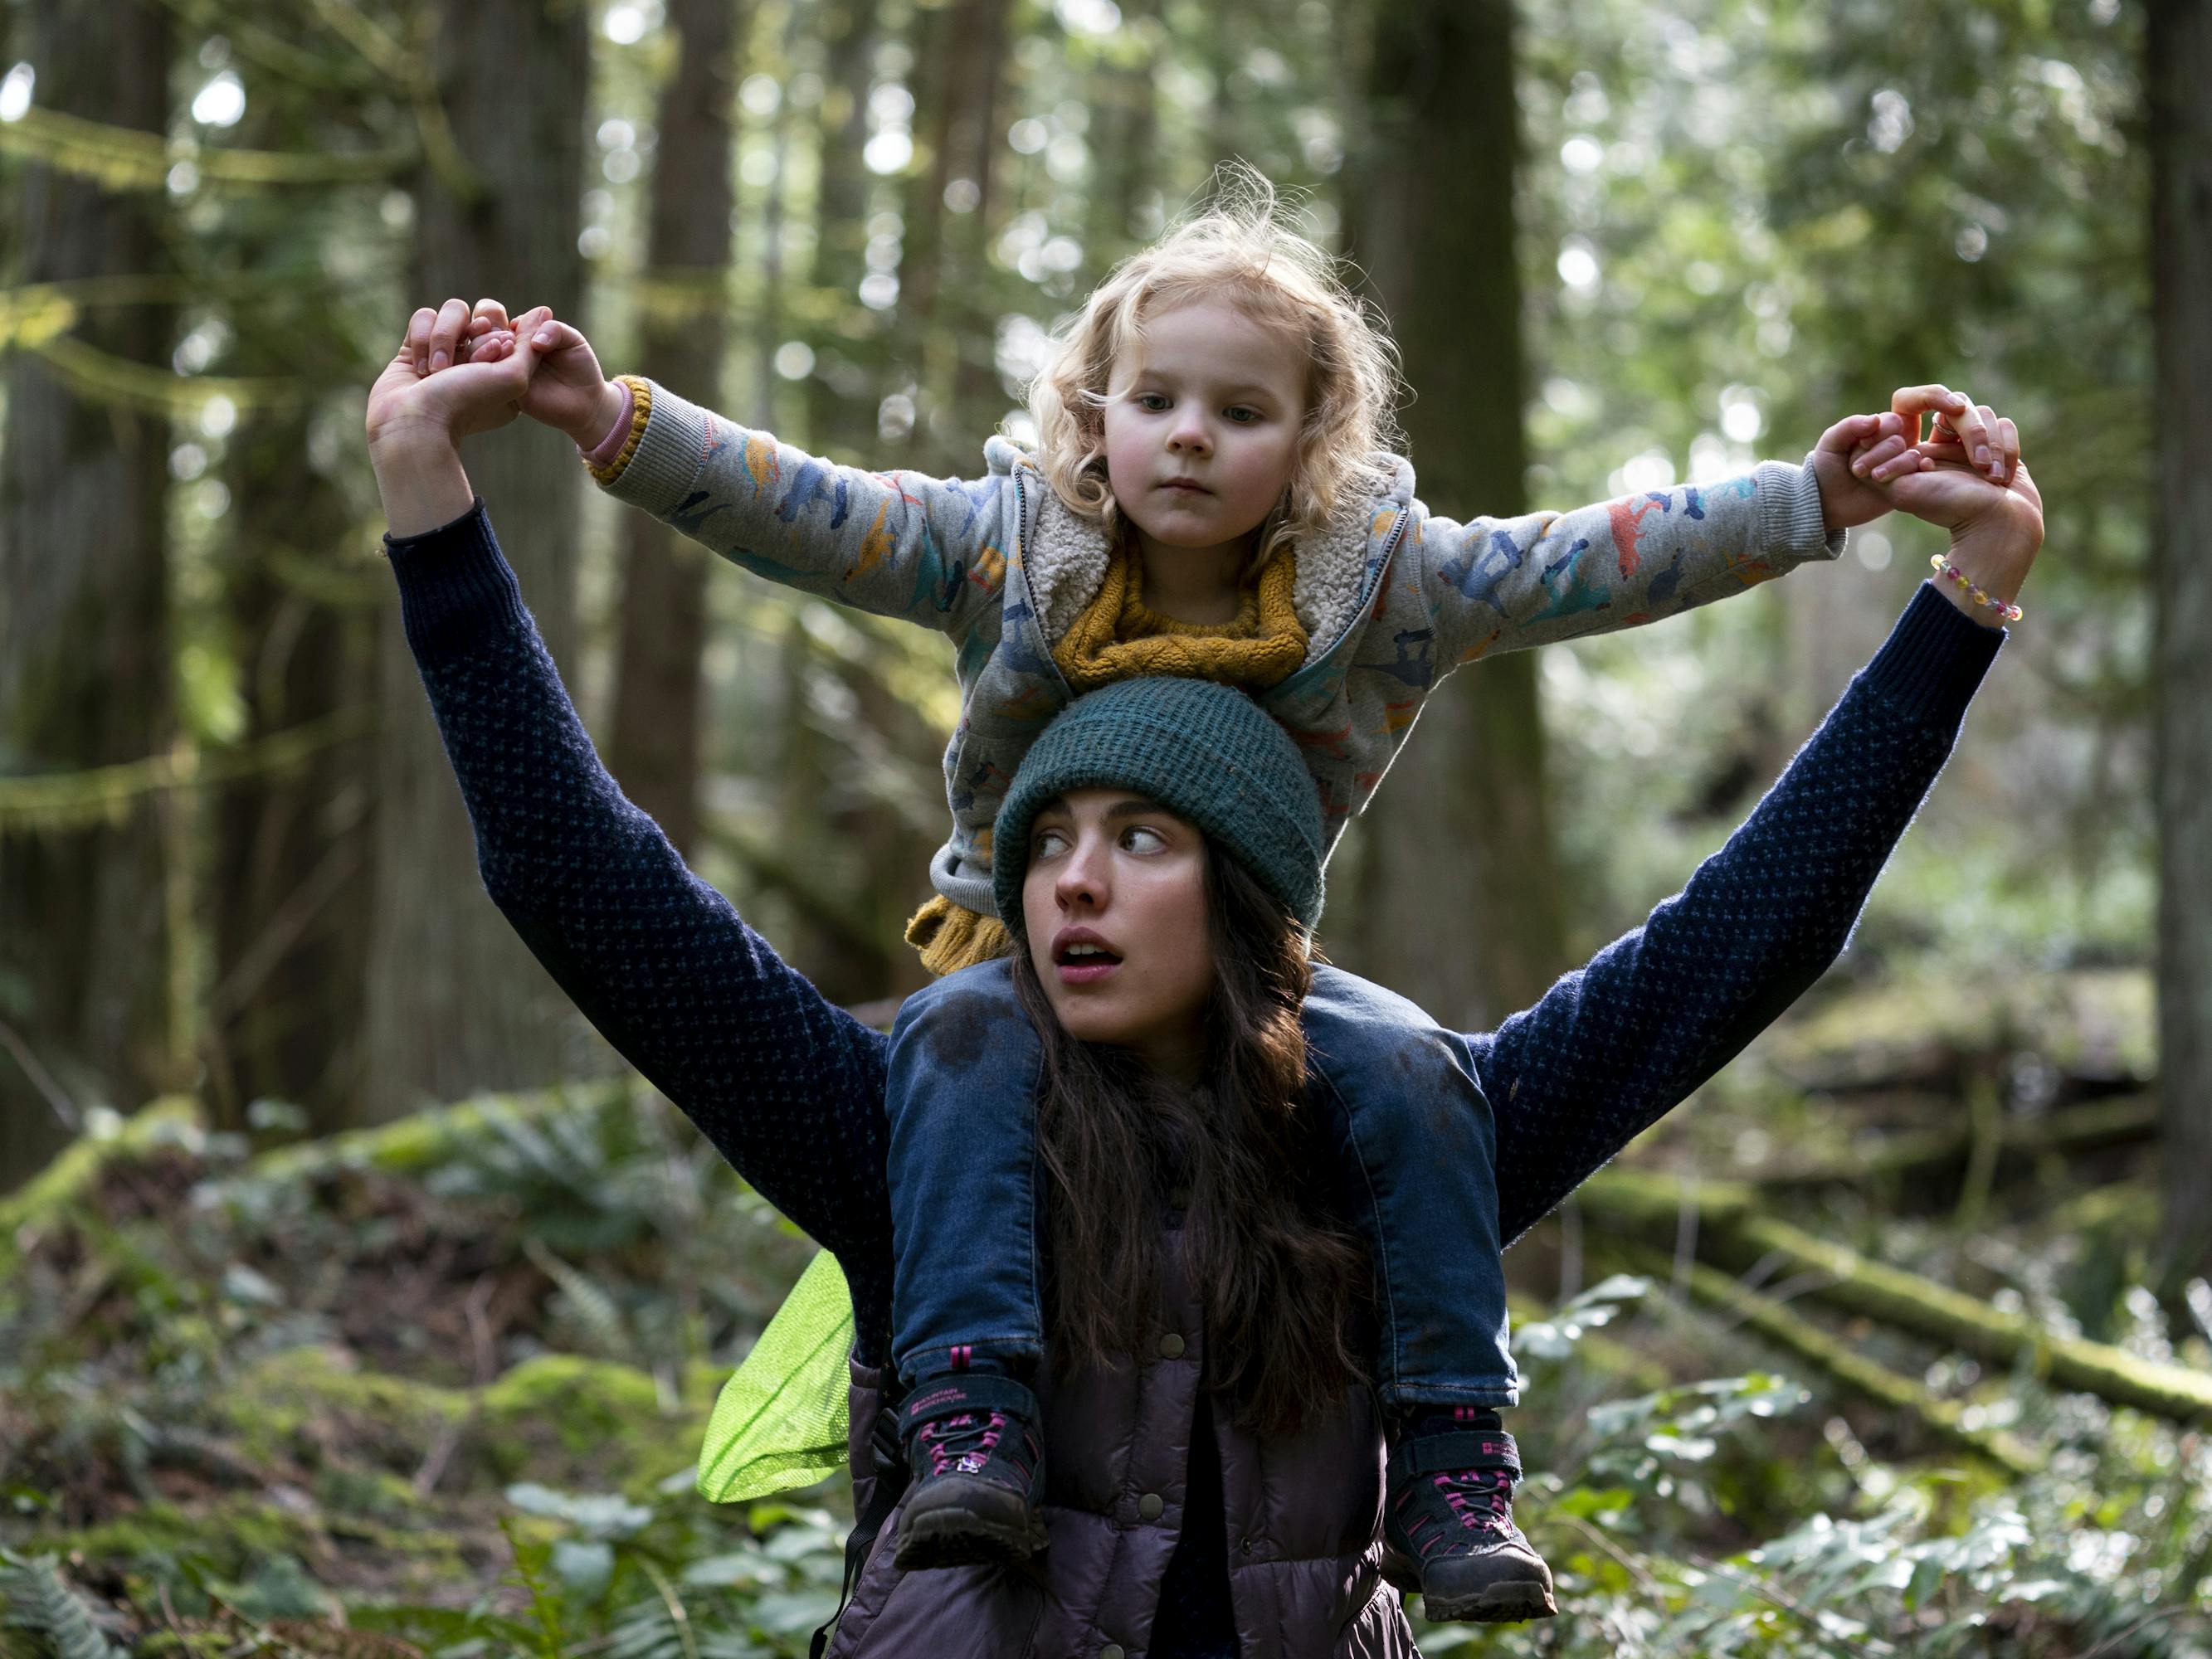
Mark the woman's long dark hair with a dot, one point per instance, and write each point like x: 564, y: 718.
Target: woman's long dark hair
x: 1279, y: 1275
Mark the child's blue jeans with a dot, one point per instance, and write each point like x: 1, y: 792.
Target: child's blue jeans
x: 1410, y: 1127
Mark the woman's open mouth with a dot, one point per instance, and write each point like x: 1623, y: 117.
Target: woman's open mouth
x: 1084, y: 962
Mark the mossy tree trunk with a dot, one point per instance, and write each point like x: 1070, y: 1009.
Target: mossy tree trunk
x: 2179, y: 41
x: 1731, y: 1232
x: 945, y: 326
x: 1124, y: 129
x: 288, y: 873
x: 86, y: 944
x: 1459, y: 906
x: 455, y: 1003
x: 977, y: 400
x: 290, y: 880
x: 841, y: 392
x: 654, y: 748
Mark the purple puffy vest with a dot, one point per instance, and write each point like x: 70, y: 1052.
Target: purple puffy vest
x: 1304, y: 1515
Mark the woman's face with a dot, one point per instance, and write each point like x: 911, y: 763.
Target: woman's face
x: 1115, y: 907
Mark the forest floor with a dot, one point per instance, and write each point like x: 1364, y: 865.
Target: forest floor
x: 439, y: 1387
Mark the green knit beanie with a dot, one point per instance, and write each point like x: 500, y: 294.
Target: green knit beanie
x: 1206, y: 752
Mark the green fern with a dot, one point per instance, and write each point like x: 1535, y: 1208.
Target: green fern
x: 40, y: 1600
x: 533, y: 1562
x: 593, y: 1309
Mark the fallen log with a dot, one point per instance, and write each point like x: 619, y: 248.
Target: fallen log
x: 435, y: 1135
x: 1837, y: 1360
x: 1733, y: 1232
x: 1930, y: 1154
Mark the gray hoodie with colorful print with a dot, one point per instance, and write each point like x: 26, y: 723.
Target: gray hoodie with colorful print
x: 1392, y: 597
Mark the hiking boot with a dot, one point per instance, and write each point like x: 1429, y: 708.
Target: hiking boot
x: 1450, y: 1513
x: 978, y: 1466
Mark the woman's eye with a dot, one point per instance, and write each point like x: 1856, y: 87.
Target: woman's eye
x: 1138, y: 839
x: 1047, y: 842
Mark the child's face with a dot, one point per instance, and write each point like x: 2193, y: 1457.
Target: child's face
x: 1217, y: 399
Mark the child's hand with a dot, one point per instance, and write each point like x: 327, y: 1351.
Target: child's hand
x: 567, y: 392
x: 1846, y: 499
x: 1862, y: 452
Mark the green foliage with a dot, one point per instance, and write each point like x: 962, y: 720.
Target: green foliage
x: 1638, y: 1508
x: 1765, y: 217
x: 42, y: 1602
x: 214, y: 1438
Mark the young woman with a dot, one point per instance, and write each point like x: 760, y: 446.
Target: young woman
x: 1217, y: 1476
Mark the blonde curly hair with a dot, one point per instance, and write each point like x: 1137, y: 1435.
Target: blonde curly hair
x: 1238, y: 249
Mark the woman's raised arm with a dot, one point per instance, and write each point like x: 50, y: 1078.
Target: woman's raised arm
x: 787, y: 1087
x: 1619, y: 1042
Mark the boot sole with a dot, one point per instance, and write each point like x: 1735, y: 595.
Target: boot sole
x: 951, y: 1538
x: 1497, y: 1604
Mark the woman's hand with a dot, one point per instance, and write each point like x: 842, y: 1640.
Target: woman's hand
x: 567, y: 391
x: 412, y: 402
x: 1997, y: 527
x: 417, y: 418
x: 1859, y: 453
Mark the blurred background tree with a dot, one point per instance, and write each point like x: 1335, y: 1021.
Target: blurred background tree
x: 2180, y: 56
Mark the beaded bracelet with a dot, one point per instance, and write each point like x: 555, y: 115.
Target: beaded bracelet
x: 2011, y: 613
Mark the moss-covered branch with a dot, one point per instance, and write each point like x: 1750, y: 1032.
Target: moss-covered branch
x: 1930, y: 1154
x: 1838, y: 1361
x: 1732, y: 1232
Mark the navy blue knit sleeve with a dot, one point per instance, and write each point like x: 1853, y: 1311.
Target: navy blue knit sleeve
x: 1619, y: 1042
x: 788, y: 1087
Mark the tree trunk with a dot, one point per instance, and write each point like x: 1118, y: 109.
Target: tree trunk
x: 2179, y: 41
x: 1463, y: 833
x: 839, y: 940
x: 85, y: 946
x: 288, y: 874
x: 655, y: 751
x: 840, y: 392
x: 978, y: 398
x: 1124, y: 143
x: 948, y: 344
x: 1940, y: 1419
x: 290, y: 890
x: 455, y: 1002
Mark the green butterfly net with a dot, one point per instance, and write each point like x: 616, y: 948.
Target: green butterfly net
x: 780, y: 1422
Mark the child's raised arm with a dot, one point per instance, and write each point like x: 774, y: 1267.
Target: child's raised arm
x: 897, y: 543
x: 1504, y: 584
